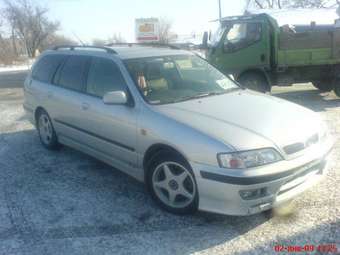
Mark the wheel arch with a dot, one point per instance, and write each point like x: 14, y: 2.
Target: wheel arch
x: 256, y: 71
x: 157, y: 148
x: 37, y: 111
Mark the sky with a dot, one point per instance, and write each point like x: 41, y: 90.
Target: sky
x: 89, y: 19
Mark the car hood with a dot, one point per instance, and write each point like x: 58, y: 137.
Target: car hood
x: 246, y: 120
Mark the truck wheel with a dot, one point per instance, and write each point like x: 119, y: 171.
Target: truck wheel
x: 336, y: 89
x: 323, y: 86
x: 254, y: 81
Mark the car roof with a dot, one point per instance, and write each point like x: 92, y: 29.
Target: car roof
x: 122, y: 52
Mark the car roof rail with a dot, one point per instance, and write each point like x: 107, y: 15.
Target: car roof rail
x: 151, y: 44
x: 74, y: 47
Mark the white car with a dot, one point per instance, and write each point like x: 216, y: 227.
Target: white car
x: 170, y: 119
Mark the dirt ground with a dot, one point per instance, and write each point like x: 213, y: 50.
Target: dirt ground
x: 68, y: 203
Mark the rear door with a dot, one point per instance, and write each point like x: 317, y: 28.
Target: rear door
x: 67, y: 97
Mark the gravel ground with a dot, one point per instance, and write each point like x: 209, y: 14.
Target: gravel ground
x: 68, y: 203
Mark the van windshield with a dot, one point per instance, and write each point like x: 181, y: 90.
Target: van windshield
x: 170, y: 79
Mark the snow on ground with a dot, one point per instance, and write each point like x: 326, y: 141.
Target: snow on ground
x: 17, y: 67
x: 14, y: 68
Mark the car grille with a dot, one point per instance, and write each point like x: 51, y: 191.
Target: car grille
x: 296, y: 147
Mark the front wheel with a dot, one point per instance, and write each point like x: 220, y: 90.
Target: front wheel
x: 172, y: 184
x: 254, y: 81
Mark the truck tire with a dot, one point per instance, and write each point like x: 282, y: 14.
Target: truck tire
x: 336, y: 89
x: 323, y: 86
x: 254, y: 81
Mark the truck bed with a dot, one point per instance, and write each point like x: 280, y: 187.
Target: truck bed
x: 309, y: 48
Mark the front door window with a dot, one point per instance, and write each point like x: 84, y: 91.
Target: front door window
x: 241, y: 35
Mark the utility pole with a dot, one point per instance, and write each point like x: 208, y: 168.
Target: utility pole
x: 219, y: 10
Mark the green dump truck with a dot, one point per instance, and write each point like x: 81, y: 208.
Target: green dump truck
x: 260, y: 54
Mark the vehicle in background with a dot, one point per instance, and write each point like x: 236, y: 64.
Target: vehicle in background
x: 259, y: 53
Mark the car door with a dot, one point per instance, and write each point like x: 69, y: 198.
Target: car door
x: 111, y: 129
x: 66, y: 98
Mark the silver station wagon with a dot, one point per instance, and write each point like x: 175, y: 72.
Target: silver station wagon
x: 168, y: 118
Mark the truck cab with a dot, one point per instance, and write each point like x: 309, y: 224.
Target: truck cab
x: 242, y: 47
x: 259, y: 53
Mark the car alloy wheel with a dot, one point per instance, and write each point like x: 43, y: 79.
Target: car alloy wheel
x: 45, y: 129
x: 174, y: 185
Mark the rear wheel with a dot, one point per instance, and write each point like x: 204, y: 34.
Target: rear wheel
x: 172, y: 184
x: 47, y: 134
x: 323, y: 86
x: 254, y: 81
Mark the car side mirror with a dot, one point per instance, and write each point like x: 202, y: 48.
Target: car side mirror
x: 115, y: 97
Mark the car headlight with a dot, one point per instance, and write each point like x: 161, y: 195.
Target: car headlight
x: 248, y: 159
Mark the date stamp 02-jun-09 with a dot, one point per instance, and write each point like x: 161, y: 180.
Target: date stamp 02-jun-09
x: 307, y: 248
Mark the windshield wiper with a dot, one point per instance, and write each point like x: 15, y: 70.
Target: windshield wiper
x: 206, y: 94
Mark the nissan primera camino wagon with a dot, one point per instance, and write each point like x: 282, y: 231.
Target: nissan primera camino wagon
x: 170, y: 119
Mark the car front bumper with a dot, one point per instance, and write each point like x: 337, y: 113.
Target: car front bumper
x: 219, y: 189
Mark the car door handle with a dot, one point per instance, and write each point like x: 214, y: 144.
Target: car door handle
x: 85, y: 106
x: 49, y: 94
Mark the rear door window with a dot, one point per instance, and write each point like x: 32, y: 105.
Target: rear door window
x: 104, y: 76
x: 46, y: 67
x: 73, y: 73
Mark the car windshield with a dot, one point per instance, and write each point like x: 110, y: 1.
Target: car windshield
x: 170, y: 79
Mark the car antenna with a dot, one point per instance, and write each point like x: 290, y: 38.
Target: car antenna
x: 77, y: 37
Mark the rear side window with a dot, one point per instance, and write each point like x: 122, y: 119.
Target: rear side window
x: 104, y: 76
x: 46, y: 67
x: 72, y: 75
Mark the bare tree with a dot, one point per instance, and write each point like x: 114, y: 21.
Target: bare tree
x: 309, y: 3
x: 99, y: 42
x: 56, y: 40
x: 116, y: 38
x: 165, y: 26
x: 266, y: 4
x: 279, y: 4
x: 30, y: 23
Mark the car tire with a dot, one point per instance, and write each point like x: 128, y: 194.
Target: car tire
x: 254, y: 81
x: 171, y: 183
x: 323, y: 86
x: 47, y: 134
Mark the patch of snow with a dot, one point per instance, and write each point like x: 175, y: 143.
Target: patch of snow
x: 17, y: 67
x: 14, y: 68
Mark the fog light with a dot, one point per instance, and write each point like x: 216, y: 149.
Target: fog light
x: 253, y: 193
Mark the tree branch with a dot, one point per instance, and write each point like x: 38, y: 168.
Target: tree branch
x: 259, y: 4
